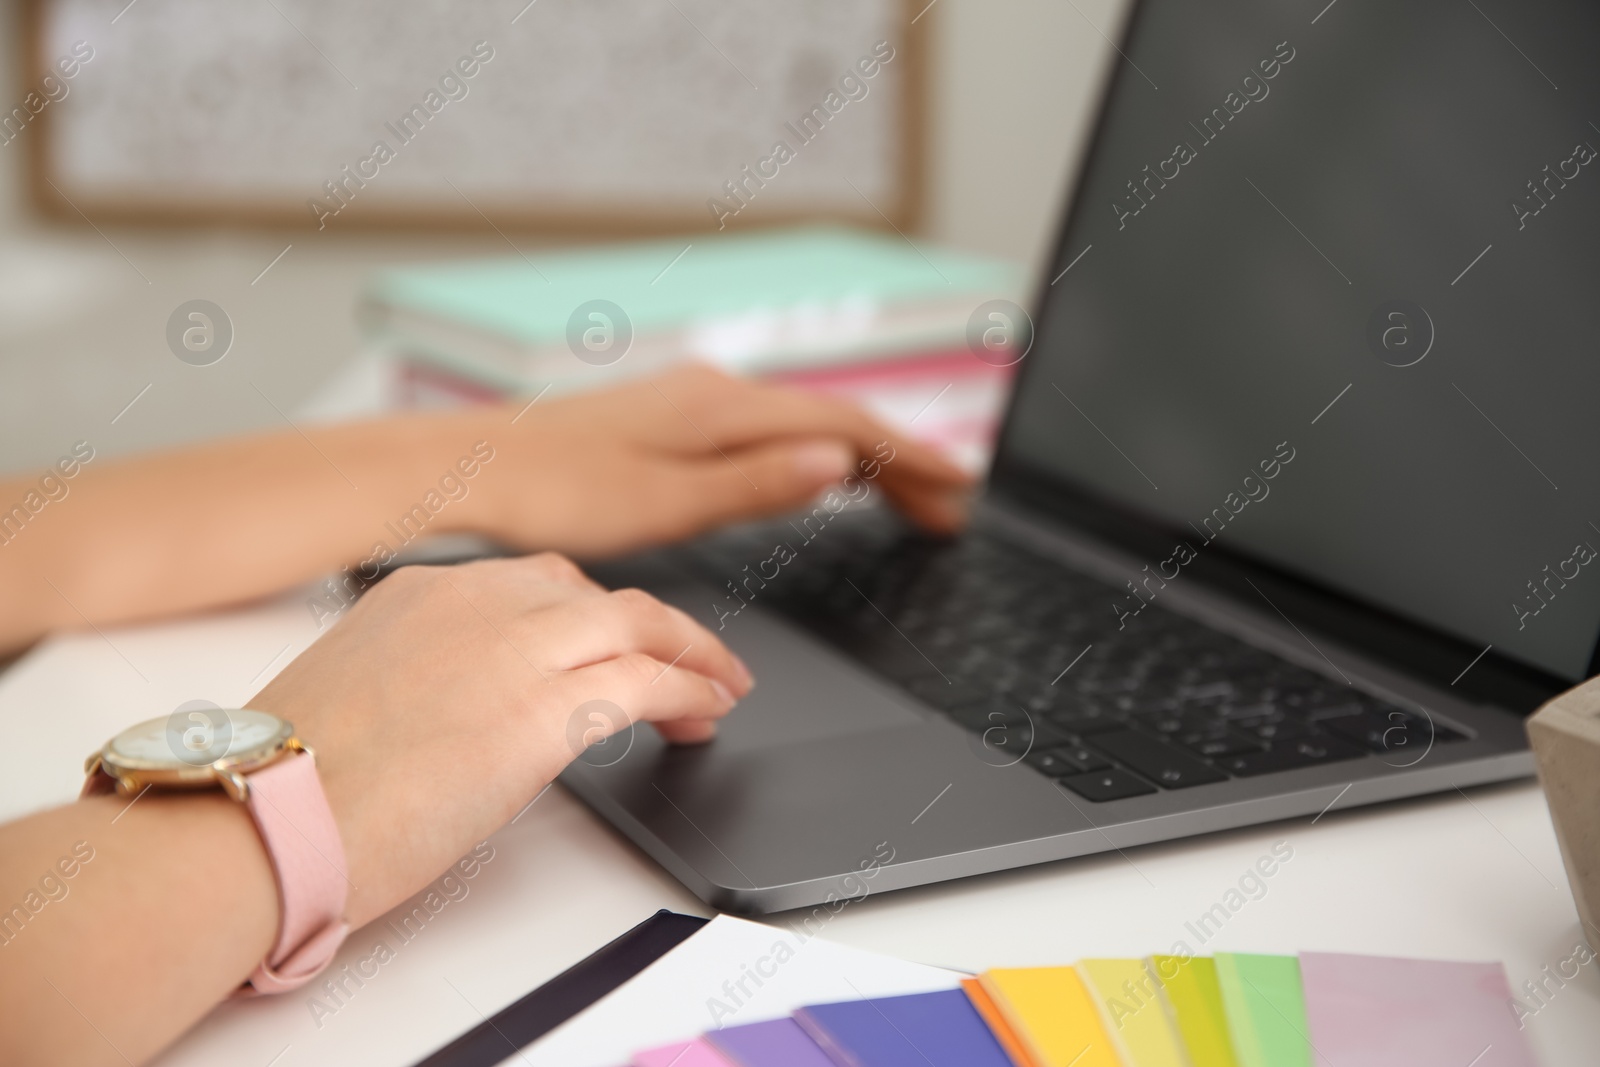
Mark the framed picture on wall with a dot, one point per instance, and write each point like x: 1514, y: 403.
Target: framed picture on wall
x: 604, y: 116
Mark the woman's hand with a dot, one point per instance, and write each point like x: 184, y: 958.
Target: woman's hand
x: 445, y: 701
x: 657, y: 460
x: 438, y: 708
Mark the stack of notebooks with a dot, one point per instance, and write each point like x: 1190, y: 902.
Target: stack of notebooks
x: 778, y: 300
x: 866, y: 314
x: 678, y: 991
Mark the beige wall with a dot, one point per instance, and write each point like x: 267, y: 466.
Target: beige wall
x: 1013, y: 89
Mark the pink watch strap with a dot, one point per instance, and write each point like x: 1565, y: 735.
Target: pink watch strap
x: 292, y: 815
x: 296, y: 825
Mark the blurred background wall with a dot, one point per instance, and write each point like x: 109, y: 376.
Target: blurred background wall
x: 1010, y: 88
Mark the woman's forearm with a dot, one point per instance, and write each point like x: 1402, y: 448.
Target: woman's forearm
x: 124, y: 923
x: 595, y: 474
x: 226, y: 522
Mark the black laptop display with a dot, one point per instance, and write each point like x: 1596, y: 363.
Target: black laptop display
x: 1391, y: 210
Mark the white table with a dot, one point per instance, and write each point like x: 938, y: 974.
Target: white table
x: 1474, y: 876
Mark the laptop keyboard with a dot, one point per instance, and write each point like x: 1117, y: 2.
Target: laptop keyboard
x: 1026, y: 654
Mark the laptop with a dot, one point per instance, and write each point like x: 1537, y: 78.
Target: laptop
x: 1294, y: 508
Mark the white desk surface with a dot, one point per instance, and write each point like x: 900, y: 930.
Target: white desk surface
x: 1474, y: 876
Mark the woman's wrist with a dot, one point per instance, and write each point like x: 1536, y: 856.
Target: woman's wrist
x: 208, y: 841
x: 426, y: 473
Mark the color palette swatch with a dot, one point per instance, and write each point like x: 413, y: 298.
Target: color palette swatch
x: 1266, y: 1009
x: 1379, y: 1011
x: 1232, y: 1010
x: 775, y: 1043
x: 1194, y: 993
x: 919, y: 1030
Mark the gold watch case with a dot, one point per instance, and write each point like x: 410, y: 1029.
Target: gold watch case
x: 162, y: 753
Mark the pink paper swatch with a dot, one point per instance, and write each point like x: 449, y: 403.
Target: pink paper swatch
x: 696, y: 1053
x: 1374, y: 1011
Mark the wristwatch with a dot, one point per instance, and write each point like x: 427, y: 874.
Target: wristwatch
x: 258, y: 761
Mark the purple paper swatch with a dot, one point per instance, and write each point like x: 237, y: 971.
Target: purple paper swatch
x: 778, y: 1043
x: 921, y: 1030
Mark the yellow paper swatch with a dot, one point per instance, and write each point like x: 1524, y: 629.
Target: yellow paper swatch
x: 1134, y: 1012
x: 1051, y: 1013
x: 1195, y: 997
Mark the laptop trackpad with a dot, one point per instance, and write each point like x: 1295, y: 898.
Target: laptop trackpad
x: 804, y: 690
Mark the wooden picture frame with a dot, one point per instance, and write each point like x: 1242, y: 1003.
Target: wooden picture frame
x: 56, y: 195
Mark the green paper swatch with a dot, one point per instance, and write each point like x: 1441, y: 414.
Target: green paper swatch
x: 1266, y: 1009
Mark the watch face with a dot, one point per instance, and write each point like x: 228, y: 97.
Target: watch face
x: 196, y: 738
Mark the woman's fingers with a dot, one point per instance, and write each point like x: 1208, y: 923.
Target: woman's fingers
x: 626, y: 622
x: 648, y: 658
x: 937, y: 509
x: 684, y: 705
x: 734, y: 414
x: 780, y: 477
x: 765, y: 450
x: 773, y: 478
x: 687, y: 731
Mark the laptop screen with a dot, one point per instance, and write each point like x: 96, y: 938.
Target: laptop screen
x: 1329, y: 297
